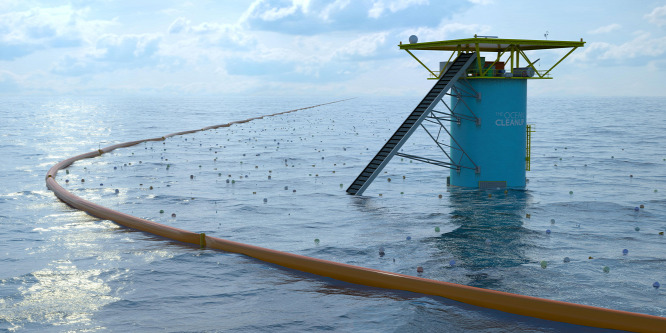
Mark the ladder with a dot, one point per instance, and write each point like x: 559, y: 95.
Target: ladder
x: 393, y: 145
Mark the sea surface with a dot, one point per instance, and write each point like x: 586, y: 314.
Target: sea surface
x: 279, y: 182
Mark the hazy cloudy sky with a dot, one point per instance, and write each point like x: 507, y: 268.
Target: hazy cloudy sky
x: 341, y: 47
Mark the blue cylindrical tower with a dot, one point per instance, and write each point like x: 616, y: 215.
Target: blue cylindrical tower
x: 488, y: 136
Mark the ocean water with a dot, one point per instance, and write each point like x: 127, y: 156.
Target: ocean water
x: 279, y: 182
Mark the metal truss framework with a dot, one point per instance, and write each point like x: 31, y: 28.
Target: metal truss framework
x: 450, y: 114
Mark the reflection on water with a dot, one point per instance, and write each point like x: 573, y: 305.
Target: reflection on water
x: 489, y: 233
x: 59, y: 295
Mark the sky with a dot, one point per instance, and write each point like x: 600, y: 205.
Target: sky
x: 314, y: 48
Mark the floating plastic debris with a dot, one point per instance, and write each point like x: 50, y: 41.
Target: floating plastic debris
x: 642, y: 206
x: 191, y: 176
x: 527, y: 216
x: 439, y: 196
x: 544, y: 264
x: 636, y: 209
x: 452, y: 262
x: 656, y: 285
x: 101, y: 184
x: 409, y: 237
x: 161, y: 211
x: 547, y: 231
x: 570, y: 192
x: 637, y: 229
x: 436, y: 229
x: 606, y: 269
x: 381, y: 251
x: 566, y: 259
x: 625, y: 252
x: 117, y: 191
x: 173, y: 214
x: 265, y: 200
x: 419, y: 269
x: 66, y: 180
x: 552, y: 221
x: 316, y: 241
x: 83, y: 180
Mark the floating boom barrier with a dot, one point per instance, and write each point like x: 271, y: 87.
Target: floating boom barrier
x: 547, y: 309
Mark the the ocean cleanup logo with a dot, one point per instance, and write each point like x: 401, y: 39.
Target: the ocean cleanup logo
x: 510, y: 118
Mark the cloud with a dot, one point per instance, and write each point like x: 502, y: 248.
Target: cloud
x: 380, y: 6
x: 657, y: 16
x: 126, y: 48
x: 319, y: 16
x: 639, y: 50
x: 605, y: 29
x: 113, y: 52
x: 8, y: 82
x: 212, y: 33
x: 22, y: 33
x: 179, y: 25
